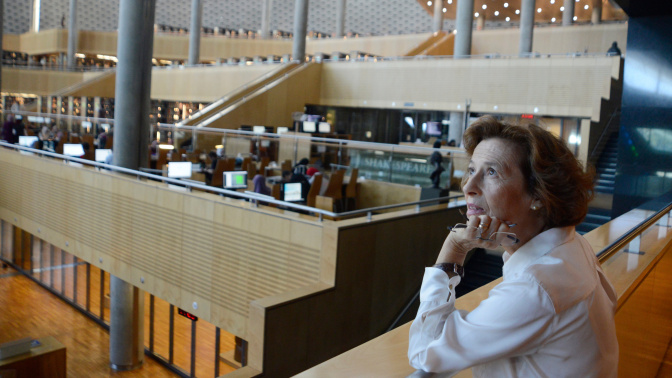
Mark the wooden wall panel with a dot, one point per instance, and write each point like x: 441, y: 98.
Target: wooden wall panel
x: 39, y: 82
x: 388, y: 45
x: 554, y: 86
x: 374, y: 193
x: 217, y: 253
x: 203, y: 84
x: 552, y: 40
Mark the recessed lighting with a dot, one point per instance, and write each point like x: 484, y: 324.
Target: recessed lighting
x: 485, y: 6
x: 429, y: 3
x: 506, y: 5
x: 476, y: 14
x: 575, y: 18
x: 586, y: 6
x: 538, y: 10
x: 450, y: 1
x: 444, y: 10
x: 496, y: 13
x: 562, y: 9
x: 517, y: 11
x: 508, y: 19
x: 552, y: 1
x: 553, y: 19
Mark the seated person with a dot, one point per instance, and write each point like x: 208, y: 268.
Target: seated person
x: 209, y: 171
x: 325, y: 181
x: 259, y: 182
x: 301, y: 167
x: 305, y: 185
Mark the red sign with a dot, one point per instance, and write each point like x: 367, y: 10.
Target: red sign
x: 527, y: 116
x: 187, y: 315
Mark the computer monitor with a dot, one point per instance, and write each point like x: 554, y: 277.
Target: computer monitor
x: 434, y: 128
x: 73, y: 149
x: 309, y: 127
x: 324, y: 127
x: 282, y: 130
x: 179, y: 169
x: 292, y: 192
x: 235, y: 180
x: 27, y: 141
x: 258, y: 129
x: 102, y: 154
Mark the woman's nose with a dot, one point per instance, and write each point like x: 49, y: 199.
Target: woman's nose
x: 473, y: 184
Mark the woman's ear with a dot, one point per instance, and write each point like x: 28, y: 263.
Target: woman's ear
x: 536, y: 205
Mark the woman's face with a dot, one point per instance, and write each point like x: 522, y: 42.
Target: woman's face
x: 496, y: 187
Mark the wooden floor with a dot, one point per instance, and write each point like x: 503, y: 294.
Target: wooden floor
x: 32, y: 311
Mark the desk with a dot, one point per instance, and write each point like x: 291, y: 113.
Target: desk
x: 46, y: 360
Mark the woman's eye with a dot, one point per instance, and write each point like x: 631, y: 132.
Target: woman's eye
x: 492, y: 172
x: 471, y: 171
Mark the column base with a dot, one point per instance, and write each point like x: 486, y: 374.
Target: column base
x: 125, y: 367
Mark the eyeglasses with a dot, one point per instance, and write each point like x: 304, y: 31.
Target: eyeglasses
x: 505, y: 239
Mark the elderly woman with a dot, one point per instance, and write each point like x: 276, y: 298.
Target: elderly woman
x: 553, y: 313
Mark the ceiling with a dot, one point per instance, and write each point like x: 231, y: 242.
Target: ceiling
x: 547, y: 11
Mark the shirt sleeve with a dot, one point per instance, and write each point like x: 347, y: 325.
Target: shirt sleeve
x: 513, y: 321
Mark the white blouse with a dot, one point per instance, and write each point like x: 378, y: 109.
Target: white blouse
x: 551, y: 316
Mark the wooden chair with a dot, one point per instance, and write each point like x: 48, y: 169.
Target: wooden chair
x: 286, y: 165
x: 162, y: 159
x: 314, y: 190
x: 262, y: 167
x: 335, y: 189
x: 275, y: 191
x: 109, y: 142
x: 230, y: 164
x: 246, y: 163
x: 251, y: 169
x: 218, y: 174
x: 88, y: 139
x: 324, y: 203
x: 351, y: 191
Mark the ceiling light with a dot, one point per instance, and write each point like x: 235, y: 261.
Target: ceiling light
x: 508, y: 19
x: 506, y: 5
x: 538, y: 10
x: 485, y: 6
x: 552, y: 1
x: 444, y: 10
x: 476, y: 14
x: 553, y: 19
x: 562, y: 9
x: 586, y: 6
x: 517, y: 11
x: 429, y: 3
x: 575, y: 18
x: 450, y: 1
x: 496, y: 13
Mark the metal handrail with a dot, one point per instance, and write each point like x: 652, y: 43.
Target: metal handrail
x: 375, y: 59
x: 340, y: 142
x: 609, y: 250
x: 607, y: 130
x: 253, y: 198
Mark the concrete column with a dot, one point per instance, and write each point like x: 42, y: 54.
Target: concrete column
x: 96, y: 106
x: 480, y: 22
x: 131, y: 138
x: 340, y: 18
x: 300, y: 26
x: 35, y: 25
x: 596, y: 16
x: 266, y: 6
x: 456, y: 128
x: 39, y: 104
x: 464, y: 25
x: 49, y: 102
x: 2, y: 16
x: 84, y: 106
x: 568, y: 13
x: 526, y: 26
x: 71, y: 111
x: 72, y: 34
x: 195, y: 35
x: 437, y: 21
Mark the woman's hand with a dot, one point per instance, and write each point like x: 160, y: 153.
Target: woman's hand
x: 477, y: 234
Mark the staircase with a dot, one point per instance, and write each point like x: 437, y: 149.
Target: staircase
x: 599, y: 211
